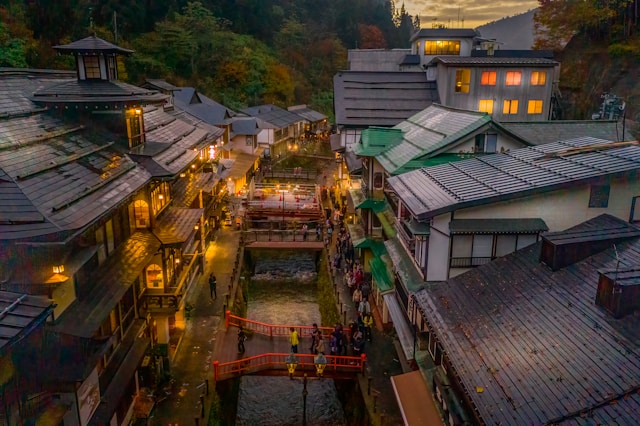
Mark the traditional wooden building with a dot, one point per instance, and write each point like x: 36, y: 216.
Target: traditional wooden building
x: 515, y: 342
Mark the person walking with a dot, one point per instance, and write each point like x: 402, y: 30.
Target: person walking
x: 320, y: 349
x: 315, y: 335
x: 241, y: 338
x: 212, y: 286
x: 357, y: 297
x: 294, y: 340
x: 304, y: 232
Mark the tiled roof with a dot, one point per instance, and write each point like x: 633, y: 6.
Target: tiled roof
x: 161, y: 84
x: 19, y: 315
x: 176, y: 225
x: 245, y: 126
x: 278, y: 117
x: 498, y: 177
x: 428, y: 132
x: 364, y: 99
x: 494, y: 61
x: 410, y: 60
x: 85, y: 92
x: 541, y: 132
x: 535, y: 342
x: 91, y: 44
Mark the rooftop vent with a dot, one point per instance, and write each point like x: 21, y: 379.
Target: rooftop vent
x: 619, y: 291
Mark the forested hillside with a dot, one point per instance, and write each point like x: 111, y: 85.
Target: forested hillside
x: 238, y: 52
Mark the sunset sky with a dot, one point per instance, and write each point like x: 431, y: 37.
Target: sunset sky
x: 474, y: 12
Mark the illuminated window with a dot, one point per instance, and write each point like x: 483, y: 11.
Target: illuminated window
x: 135, y: 127
x: 486, y: 105
x: 463, y: 80
x: 538, y: 78
x: 91, y: 67
x: 442, y: 47
x: 534, y: 107
x: 488, y: 78
x: 510, y: 106
x: 513, y: 78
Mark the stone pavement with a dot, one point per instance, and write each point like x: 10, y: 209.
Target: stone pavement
x: 194, y: 356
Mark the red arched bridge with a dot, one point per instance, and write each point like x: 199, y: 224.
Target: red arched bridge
x: 267, y: 353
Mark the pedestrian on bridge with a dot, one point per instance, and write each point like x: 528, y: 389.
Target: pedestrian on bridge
x: 294, y: 340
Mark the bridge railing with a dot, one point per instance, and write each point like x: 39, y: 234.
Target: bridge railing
x: 272, y: 330
x: 278, y: 361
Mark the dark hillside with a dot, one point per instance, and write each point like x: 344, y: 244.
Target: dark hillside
x: 515, y: 32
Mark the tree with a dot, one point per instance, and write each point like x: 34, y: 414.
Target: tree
x: 371, y: 37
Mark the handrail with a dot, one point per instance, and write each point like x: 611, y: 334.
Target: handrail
x: 278, y: 361
x: 271, y: 329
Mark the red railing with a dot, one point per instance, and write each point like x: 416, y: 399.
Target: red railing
x: 278, y: 361
x: 272, y: 330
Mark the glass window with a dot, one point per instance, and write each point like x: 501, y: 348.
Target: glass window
x: 485, y: 105
x: 442, y: 47
x: 135, y: 130
x: 538, y: 78
x: 110, y: 241
x: 488, y: 78
x: 113, y: 73
x: 91, y: 67
x: 377, y: 180
x: 463, y: 80
x: 599, y: 196
x: 510, y: 106
x: 102, y: 250
x: 491, y: 143
x: 534, y: 106
x: 513, y: 78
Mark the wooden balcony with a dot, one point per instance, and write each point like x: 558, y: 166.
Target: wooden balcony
x: 168, y: 300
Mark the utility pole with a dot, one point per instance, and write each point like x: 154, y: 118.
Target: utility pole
x: 115, y: 27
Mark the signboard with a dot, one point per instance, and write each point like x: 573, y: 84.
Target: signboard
x: 88, y: 395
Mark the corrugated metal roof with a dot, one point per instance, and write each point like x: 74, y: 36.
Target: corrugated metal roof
x: 497, y: 226
x: 444, y: 33
x: 278, y: 117
x: 375, y: 140
x: 19, y: 315
x: 96, y: 92
x: 605, y: 228
x: 541, y: 132
x: 428, y: 132
x: 364, y: 99
x: 161, y: 84
x: 307, y: 113
x: 535, y: 341
x: 481, y: 180
x: 494, y: 61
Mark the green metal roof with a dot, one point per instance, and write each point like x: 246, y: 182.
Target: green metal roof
x: 404, y: 266
x: 382, y: 273
x: 369, y: 203
x: 431, y: 130
x: 387, y: 219
x: 375, y: 140
x: 432, y: 161
x: 418, y: 228
x: 377, y: 247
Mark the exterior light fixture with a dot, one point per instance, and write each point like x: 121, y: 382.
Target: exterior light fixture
x: 183, y: 174
x: 177, y: 261
x: 160, y: 197
x: 58, y: 269
x: 291, y: 363
x: 138, y: 111
x: 193, y: 166
x: 320, y: 361
x: 196, y: 227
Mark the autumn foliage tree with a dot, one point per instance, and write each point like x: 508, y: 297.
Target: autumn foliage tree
x: 371, y: 37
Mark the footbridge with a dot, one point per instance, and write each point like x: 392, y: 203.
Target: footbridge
x: 267, y: 352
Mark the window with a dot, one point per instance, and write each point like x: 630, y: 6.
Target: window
x: 249, y: 141
x: 135, y: 132
x: 110, y: 240
x: 510, y: 106
x: 513, y: 78
x: 488, y: 78
x: 377, y: 180
x: 442, y: 47
x: 91, y: 67
x: 112, y: 70
x: 538, y: 78
x: 463, y: 79
x: 102, y: 250
x: 599, y: 196
x: 534, y: 106
x: 486, y: 105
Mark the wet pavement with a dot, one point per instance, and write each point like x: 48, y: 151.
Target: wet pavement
x: 192, y: 365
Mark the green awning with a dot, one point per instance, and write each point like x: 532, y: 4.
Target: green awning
x: 375, y: 140
x: 376, y: 246
x: 387, y: 219
x: 375, y: 205
x: 418, y: 228
x: 382, y: 273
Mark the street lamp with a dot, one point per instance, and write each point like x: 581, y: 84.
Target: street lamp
x: 320, y: 363
x: 292, y: 363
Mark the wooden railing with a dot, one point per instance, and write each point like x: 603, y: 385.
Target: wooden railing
x: 469, y: 262
x: 171, y: 297
x: 278, y: 361
x: 272, y: 330
x: 253, y: 235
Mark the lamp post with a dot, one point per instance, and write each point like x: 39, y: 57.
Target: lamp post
x: 320, y: 362
x: 304, y: 400
x: 291, y: 363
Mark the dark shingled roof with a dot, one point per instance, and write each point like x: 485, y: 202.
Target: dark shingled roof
x: 91, y: 44
x: 541, y: 132
x: 202, y: 107
x: 536, y: 343
x: 96, y: 92
x: 19, y: 315
x: 499, y: 177
x: 444, y: 33
x: 278, y: 117
x: 307, y: 113
x: 364, y: 99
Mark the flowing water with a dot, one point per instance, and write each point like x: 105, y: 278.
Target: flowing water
x: 283, y: 290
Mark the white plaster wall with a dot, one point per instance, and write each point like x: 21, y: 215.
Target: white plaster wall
x: 438, y: 266
x: 560, y: 209
x: 239, y: 144
x: 504, y: 142
x: 265, y: 136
